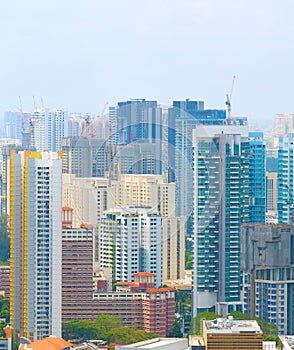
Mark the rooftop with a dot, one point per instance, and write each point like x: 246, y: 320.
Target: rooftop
x: 288, y: 341
x: 159, y: 290
x: 229, y: 325
x: 150, y: 274
x: 86, y: 226
x: 67, y: 208
x: 131, y: 284
x: 158, y: 343
x: 49, y: 343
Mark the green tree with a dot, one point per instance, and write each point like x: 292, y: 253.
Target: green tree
x: 189, y: 255
x: 175, y: 331
x: 120, y: 335
x: 104, y: 323
x: 106, y: 327
x: 2, y: 325
x: 126, y: 335
x: 240, y: 316
x: 79, y: 329
x: 4, y: 238
x: 4, y: 308
x: 196, y: 321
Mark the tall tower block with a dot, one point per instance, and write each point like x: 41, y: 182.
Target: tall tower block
x: 35, y: 231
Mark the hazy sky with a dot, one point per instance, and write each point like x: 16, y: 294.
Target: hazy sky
x: 79, y: 54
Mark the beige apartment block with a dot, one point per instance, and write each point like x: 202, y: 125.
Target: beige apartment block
x: 89, y: 197
x: 173, y: 248
x: 146, y: 190
x: 284, y: 124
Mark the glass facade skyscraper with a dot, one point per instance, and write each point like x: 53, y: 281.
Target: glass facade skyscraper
x: 221, y: 160
x: 257, y: 178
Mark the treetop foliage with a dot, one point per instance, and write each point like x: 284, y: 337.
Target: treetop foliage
x: 106, y: 327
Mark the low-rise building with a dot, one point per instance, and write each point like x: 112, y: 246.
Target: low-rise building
x: 157, y: 344
x: 232, y: 334
x: 139, y: 303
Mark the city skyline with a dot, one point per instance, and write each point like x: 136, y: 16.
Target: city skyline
x: 80, y: 55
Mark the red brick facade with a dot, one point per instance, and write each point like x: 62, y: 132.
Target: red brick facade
x: 138, y: 304
x: 77, y: 274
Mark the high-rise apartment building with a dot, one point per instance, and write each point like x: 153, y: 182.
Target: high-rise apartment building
x: 56, y: 128
x: 5, y: 281
x: 77, y: 273
x: 257, y: 176
x: 35, y: 233
x: 173, y: 248
x: 6, y: 145
x: 272, y: 191
x: 84, y: 156
x: 267, y: 257
x: 131, y: 241
x: 183, y: 117
x: 138, y: 120
x: 285, y: 180
x: 75, y: 124
x: 284, y: 124
x: 221, y: 204
x: 38, y: 133
x: 48, y: 126
x: 15, y: 125
x: 136, y: 158
x: 145, y: 190
x: 88, y: 196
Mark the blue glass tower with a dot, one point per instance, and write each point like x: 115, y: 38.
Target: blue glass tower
x: 285, y: 179
x: 221, y: 204
x: 183, y: 117
x: 257, y: 207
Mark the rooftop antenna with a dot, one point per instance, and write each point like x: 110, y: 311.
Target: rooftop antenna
x: 228, y: 102
x: 34, y: 100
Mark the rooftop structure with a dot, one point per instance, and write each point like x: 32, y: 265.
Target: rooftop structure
x: 232, y: 334
x: 157, y: 344
x: 287, y: 341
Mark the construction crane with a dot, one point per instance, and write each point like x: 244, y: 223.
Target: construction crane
x: 32, y: 131
x: 228, y: 102
x: 102, y: 114
x: 25, y: 134
x: 86, y: 125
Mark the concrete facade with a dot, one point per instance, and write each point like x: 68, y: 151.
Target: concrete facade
x: 35, y: 233
x: 267, y: 256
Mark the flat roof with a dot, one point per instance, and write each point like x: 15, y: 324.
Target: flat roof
x: 288, y: 341
x: 223, y: 325
x: 157, y: 342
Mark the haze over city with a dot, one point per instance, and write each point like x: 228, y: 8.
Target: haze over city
x: 80, y: 54
x: 146, y: 175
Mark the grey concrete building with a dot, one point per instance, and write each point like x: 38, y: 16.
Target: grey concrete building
x: 267, y: 258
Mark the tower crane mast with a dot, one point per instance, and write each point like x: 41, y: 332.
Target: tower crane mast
x: 228, y: 102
